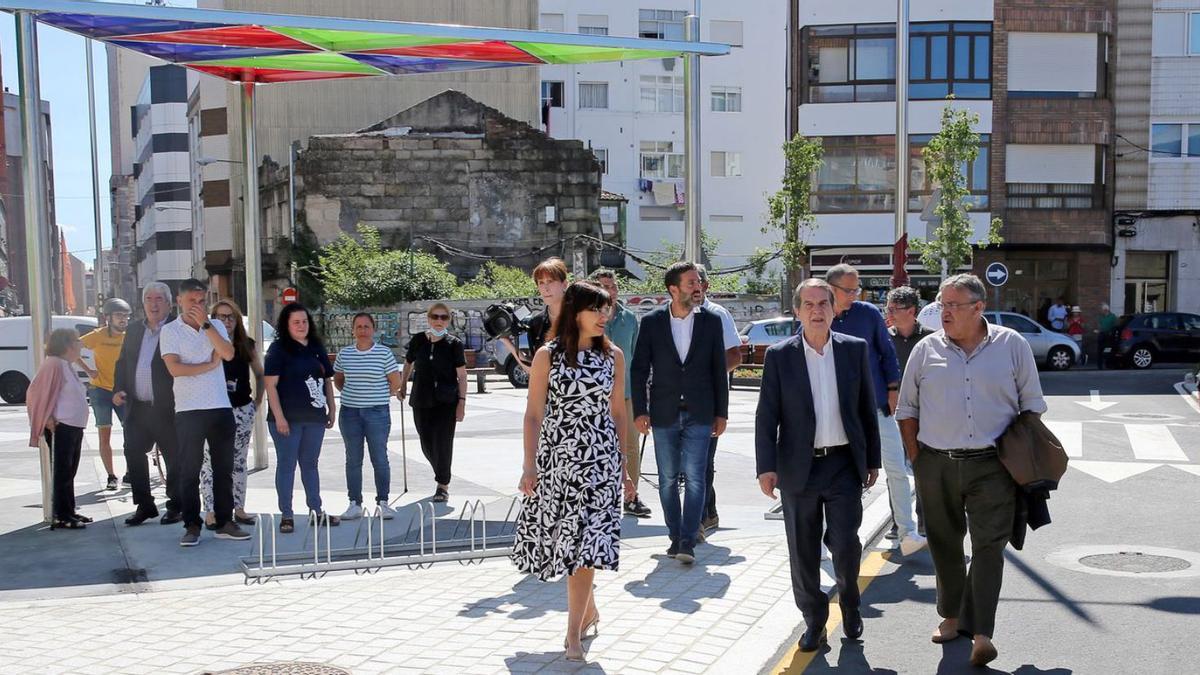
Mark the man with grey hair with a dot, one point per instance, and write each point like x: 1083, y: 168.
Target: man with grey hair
x: 864, y: 321
x: 142, y: 379
x: 733, y: 358
x: 962, y: 388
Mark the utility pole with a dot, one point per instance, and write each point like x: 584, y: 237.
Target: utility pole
x: 691, y: 139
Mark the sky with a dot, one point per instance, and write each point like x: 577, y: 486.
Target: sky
x: 64, y: 86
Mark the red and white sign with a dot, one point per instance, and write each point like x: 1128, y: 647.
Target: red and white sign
x: 290, y: 295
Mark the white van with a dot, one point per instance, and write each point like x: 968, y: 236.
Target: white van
x: 16, y: 357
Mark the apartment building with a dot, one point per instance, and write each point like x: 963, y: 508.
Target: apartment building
x: 1037, y: 77
x: 14, y: 268
x: 631, y: 115
x: 1156, y: 219
x: 127, y: 71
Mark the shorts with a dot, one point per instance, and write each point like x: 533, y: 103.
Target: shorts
x: 101, y: 401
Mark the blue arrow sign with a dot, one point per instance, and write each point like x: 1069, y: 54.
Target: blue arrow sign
x: 997, y: 274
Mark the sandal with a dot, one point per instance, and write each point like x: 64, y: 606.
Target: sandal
x: 334, y: 521
x: 67, y: 525
x: 81, y: 518
x: 441, y: 495
x: 287, y: 526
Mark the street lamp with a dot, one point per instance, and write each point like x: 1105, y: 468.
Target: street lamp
x: 205, y: 161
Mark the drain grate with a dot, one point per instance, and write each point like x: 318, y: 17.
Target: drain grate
x: 1135, y: 562
x: 284, y: 668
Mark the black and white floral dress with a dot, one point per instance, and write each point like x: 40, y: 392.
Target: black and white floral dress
x: 573, y: 519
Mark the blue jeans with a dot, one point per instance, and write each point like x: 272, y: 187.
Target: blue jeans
x: 372, y: 424
x: 303, y: 446
x: 681, y: 450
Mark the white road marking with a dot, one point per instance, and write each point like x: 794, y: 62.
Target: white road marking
x: 1070, y: 434
x: 1154, y: 442
x: 1094, y: 401
x: 1111, y: 472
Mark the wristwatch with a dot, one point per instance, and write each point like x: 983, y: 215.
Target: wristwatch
x: 206, y: 325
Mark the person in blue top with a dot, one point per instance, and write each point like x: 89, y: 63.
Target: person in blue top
x: 863, y: 320
x: 367, y: 374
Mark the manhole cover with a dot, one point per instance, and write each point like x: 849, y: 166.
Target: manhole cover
x: 284, y: 668
x: 1145, y: 417
x: 1136, y: 562
x: 1128, y: 560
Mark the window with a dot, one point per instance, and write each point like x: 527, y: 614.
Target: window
x: 1054, y: 196
x: 858, y: 63
x: 729, y: 32
x: 552, y: 94
x: 1190, y: 321
x: 1019, y: 324
x: 551, y: 22
x: 659, y: 213
x: 1175, y: 140
x: 1194, y: 33
x: 593, y: 24
x: 1056, y: 65
x: 780, y: 329
x: 661, y: 93
x: 726, y: 164
x: 602, y: 157
x: 727, y: 99
x: 593, y: 95
x: 1169, y: 34
x: 1161, y: 322
x: 659, y: 160
x: 858, y: 175
x: 661, y: 24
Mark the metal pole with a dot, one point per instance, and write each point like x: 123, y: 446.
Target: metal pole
x: 691, y: 140
x: 38, y: 249
x: 254, y: 299
x: 99, y: 272
x: 901, y: 125
x: 292, y: 208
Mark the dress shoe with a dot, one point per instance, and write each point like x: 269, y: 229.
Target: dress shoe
x: 852, y: 624
x: 813, y: 638
x: 673, y: 549
x: 140, y: 516
x: 171, y: 517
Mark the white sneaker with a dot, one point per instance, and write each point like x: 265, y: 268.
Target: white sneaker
x: 385, y: 511
x: 353, y: 512
x: 911, y: 544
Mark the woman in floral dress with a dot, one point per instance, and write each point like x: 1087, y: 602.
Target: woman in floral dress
x: 570, y: 519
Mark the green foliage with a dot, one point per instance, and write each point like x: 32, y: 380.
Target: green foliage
x: 955, y: 147
x: 358, y: 275
x: 497, y: 281
x: 789, y: 210
x: 304, y: 253
x: 673, y: 252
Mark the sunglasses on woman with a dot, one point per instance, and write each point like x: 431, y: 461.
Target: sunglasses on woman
x: 439, y: 317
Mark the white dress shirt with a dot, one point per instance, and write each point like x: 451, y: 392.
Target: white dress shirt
x: 681, y: 332
x: 822, y: 378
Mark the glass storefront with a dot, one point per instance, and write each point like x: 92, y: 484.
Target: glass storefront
x: 1147, y: 281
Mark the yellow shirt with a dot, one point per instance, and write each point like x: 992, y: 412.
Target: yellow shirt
x: 105, y: 350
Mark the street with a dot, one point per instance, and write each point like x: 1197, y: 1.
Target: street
x: 130, y: 600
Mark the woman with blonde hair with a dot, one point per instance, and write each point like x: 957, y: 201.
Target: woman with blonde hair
x: 237, y: 382
x: 58, y: 411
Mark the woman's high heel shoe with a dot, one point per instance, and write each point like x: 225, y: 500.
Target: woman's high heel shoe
x: 593, y: 626
x: 579, y: 657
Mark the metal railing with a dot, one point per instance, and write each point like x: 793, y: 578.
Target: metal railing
x: 467, y: 539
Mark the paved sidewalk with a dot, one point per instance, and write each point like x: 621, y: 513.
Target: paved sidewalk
x: 113, y: 599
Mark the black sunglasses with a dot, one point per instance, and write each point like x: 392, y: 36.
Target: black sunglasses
x: 439, y: 317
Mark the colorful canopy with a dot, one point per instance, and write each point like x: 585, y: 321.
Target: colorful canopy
x: 267, y: 48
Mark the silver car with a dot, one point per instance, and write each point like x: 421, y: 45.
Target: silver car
x: 768, y: 331
x: 1055, y: 350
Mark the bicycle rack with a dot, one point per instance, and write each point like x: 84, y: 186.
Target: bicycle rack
x: 426, y: 540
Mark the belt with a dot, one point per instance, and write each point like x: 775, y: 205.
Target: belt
x: 964, y: 453
x: 829, y: 450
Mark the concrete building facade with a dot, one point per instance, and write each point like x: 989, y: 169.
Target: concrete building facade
x: 14, y: 293
x: 631, y: 115
x: 1156, y: 219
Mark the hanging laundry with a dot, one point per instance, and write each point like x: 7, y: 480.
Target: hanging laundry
x: 679, y: 199
x: 664, y: 193
x: 644, y: 185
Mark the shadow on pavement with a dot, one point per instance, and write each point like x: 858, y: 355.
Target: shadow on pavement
x: 551, y: 662
x: 535, y: 598
x: 850, y: 659
x: 682, y: 588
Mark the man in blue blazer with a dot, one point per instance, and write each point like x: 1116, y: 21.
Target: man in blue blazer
x: 687, y: 402
x: 817, y: 440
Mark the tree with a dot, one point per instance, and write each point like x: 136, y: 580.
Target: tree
x: 947, y: 155
x: 497, y: 281
x: 671, y: 253
x: 789, y: 210
x: 359, y: 275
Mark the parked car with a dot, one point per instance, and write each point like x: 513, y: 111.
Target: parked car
x: 1141, y: 340
x: 1057, y: 351
x: 16, y: 357
x: 768, y: 331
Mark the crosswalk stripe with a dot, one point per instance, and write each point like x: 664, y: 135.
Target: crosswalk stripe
x: 1154, y: 442
x: 1070, y: 434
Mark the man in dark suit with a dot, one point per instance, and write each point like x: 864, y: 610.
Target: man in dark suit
x: 817, y: 440
x: 142, y: 379
x: 688, y: 401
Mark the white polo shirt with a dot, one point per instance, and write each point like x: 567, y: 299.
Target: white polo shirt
x: 195, y: 392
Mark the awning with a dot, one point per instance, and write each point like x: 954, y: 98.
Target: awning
x: 269, y: 48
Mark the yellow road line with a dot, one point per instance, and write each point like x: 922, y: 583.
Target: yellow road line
x: 796, y: 661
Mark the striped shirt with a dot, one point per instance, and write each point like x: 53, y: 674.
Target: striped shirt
x: 366, y: 375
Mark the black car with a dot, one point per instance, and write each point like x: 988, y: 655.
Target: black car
x: 1141, y: 340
